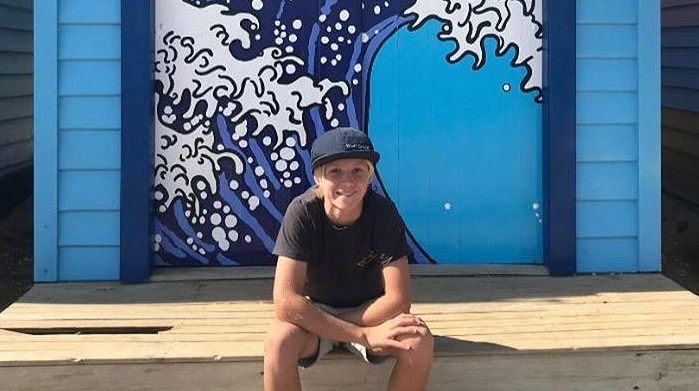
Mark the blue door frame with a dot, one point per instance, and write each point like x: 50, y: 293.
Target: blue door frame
x: 558, y: 138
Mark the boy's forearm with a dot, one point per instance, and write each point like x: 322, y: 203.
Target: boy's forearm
x: 303, y: 313
x: 376, y: 311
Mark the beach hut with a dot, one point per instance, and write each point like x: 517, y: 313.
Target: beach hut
x: 174, y: 133
x: 519, y: 139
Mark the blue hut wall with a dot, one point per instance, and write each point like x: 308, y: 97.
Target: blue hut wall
x: 77, y: 218
x: 16, y: 86
x: 77, y: 235
x: 680, y: 98
x: 618, y: 175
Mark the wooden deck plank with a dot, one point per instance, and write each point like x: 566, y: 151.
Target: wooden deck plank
x: 627, y: 326
x: 492, y: 333
x: 227, y: 319
x: 573, y: 371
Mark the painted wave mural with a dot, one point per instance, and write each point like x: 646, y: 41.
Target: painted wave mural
x: 242, y: 88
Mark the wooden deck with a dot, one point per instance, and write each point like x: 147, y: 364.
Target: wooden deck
x: 628, y: 332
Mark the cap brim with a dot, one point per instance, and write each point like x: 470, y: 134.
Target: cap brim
x: 371, y: 156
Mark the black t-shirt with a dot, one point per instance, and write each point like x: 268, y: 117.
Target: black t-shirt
x: 344, y: 264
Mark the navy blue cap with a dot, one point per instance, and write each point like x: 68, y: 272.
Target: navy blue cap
x: 342, y: 143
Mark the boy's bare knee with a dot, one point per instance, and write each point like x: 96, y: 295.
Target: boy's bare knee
x: 284, y: 339
x: 421, y: 347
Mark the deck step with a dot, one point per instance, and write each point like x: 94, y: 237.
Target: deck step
x: 541, y: 371
x: 539, y: 333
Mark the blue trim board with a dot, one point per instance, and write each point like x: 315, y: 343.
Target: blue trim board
x: 136, y: 140
x: 649, y: 136
x: 46, y: 142
x: 558, y: 138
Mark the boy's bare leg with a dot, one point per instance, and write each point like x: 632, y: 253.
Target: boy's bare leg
x: 412, y: 368
x: 284, y: 345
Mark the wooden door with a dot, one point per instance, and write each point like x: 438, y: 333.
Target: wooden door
x: 464, y: 147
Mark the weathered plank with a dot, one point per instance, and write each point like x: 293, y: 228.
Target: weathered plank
x: 571, y: 371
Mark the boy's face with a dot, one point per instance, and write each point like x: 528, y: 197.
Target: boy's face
x: 343, y: 184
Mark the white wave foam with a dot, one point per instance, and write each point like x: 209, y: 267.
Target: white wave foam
x: 468, y: 22
x: 193, y: 61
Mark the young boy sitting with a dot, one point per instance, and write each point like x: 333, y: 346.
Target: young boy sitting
x: 342, y: 275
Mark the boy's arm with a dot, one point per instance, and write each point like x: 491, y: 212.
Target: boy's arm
x: 396, y: 300
x: 291, y: 306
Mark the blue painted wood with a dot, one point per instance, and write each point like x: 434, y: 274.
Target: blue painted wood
x: 592, y: 56
x: 89, y: 228
x: 607, y: 181
x: 46, y: 143
x: 90, y: 117
x: 607, y: 107
x: 90, y: 42
x: 92, y: 190
x: 620, y: 41
x: 621, y: 74
x: 604, y: 219
x: 608, y: 12
x: 461, y: 220
x: 104, y: 152
x: 89, y: 12
x: 608, y: 255
x: 89, y: 263
x: 89, y: 112
x: 558, y: 138
x: 607, y: 143
x: 89, y: 78
x: 137, y: 137
x: 649, y: 257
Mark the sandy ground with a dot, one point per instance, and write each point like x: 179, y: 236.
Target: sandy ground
x: 680, y: 241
